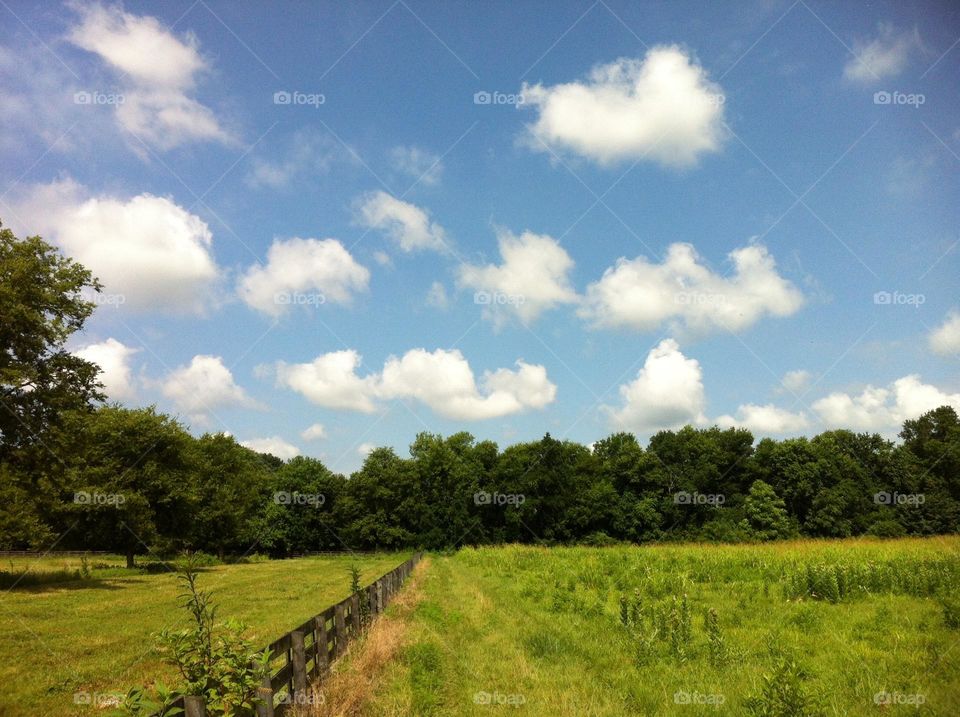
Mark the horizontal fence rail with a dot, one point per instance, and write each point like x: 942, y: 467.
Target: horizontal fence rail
x: 304, y: 655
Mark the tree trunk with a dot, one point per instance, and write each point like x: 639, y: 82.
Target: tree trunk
x: 130, y: 558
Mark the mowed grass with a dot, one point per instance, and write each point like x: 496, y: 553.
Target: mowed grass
x: 95, y: 636
x: 539, y: 631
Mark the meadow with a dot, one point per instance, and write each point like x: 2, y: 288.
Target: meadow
x: 853, y: 627
x: 71, y: 632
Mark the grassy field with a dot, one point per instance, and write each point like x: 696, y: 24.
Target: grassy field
x: 800, y: 628
x: 94, y: 636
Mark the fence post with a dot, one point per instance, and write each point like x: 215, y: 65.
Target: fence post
x: 299, y: 662
x: 371, y: 598
x: 194, y: 707
x: 355, y: 613
x: 340, y: 628
x: 379, y: 589
x: 321, y: 646
x: 265, y: 693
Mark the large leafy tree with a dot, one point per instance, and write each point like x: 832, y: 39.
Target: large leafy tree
x: 42, y: 306
x: 135, y: 481
x: 40, y: 381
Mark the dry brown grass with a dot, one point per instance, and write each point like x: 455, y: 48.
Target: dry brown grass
x: 353, y: 679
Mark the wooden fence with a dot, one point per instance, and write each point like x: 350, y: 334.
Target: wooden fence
x: 304, y: 654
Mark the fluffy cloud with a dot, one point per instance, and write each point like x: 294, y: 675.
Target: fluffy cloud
x: 405, y: 223
x: 203, y: 385
x: 766, y: 419
x: 113, y: 358
x: 662, y: 107
x: 667, y: 392
x: 153, y: 252
x: 638, y: 294
x: 945, y: 339
x: 274, y: 445
x: 883, y: 408
x: 423, y: 166
x: 442, y: 380
x: 316, y: 432
x: 156, y: 106
x: 318, y: 270
x: 884, y: 56
x: 795, y: 381
x: 533, y: 278
x: 331, y: 380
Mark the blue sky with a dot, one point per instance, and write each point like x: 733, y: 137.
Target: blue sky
x: 737, y: 214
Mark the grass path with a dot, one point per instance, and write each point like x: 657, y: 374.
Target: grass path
x: 536, y: 631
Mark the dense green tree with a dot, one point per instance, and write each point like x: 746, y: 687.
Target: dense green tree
x: 135, y: 476
x: 232, y: 486
x: 766, y: 517
x: 40, y: 381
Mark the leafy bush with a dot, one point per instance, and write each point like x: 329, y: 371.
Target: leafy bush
x: 215, y: 661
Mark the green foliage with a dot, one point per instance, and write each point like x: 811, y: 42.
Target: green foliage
x: 766, y: 517
x: 214, y: 660
x: 362, y: 596
x: 783, y: 693
x: 951, y: 611
x: 719, y: 653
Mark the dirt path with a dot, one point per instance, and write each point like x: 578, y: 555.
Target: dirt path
x: 353, y: 680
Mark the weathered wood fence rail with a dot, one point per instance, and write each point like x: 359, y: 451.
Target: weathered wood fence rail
x: 303, y: 655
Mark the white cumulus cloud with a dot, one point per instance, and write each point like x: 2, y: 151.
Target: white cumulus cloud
x: 795, y: 381
x: 302, y: 271
x: 331, y: 380
x: 150, y: 250
x: 157, y: 70
x: 883, y: 408
x: 945, y: 339
x: 274, y: 445
x: 442, y: 380
x: 316, y: 432
x: 532, y: 278
x: 667, y: 393
x: 641, y: 295
x: 406, y: 224
x: 767, y: 419
x: 884, y: 56
x: 113, y: 358
x: 662, y: 108
x: 203, y: 385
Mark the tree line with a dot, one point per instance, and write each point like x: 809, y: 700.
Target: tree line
x: 77, y: 473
